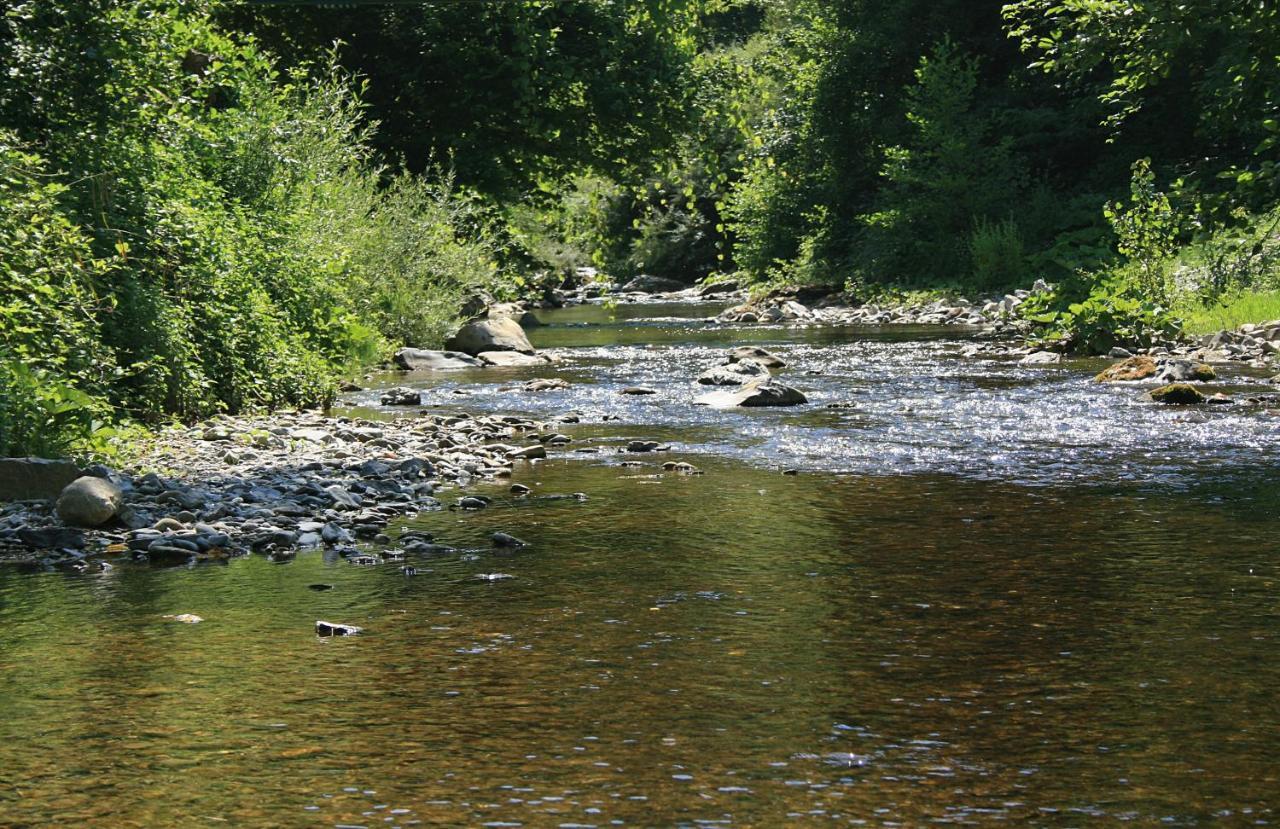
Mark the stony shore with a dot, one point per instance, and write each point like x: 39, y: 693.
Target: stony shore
x: 276, y: 484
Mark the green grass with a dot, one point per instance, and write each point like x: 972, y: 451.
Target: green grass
x: 1228, y: 312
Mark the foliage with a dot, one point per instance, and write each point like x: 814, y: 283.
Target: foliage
x: 1091, y: 313
x: 1146, y: 231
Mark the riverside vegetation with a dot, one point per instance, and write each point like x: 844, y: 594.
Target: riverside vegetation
x: 218, y: 207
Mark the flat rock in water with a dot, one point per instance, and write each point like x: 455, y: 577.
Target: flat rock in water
x: 1041, y: 358
x: 419, y: 359
x: 511, y: 359
x: 333, y: 629
x: 638, y: 391
x: 89, y: 502
x: 507, y: 541
x: 401, y: 396
x: 500, y: 334
x: 30, y: 479
x: 1181, y: 371
x: 528, y: 452
x: 734, y: 374
x: 764, y: 392
x: 757, y: 354
x: 1134, y: 368
x: 545, y: 384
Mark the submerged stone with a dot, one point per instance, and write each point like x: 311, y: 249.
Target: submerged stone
x: 1177, y: 394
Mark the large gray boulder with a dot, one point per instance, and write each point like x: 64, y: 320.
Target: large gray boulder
x: 763, y: 392
x: 734, y: 374
x: 501, y: 334
x: 89, y: 502
x: 419, y: 359
x: 31, y: 479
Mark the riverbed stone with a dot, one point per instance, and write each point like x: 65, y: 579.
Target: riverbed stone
x: 646, y: 284
x: 1134, y: 368
x: 418, y: 359
x: 512, y: 359
x: 763, y: 392
x: 1041, y: 358
x: 757, y: 354
x: 528, y: 452
x: 1182, y: 371
x: 733, y: 374
x: 324, y: 628
x: 401, y: 396
x: 501, y: 334
x: 30, y: 479
x: 89, y: 502
x: 507, y: 541
x: 1177, y: 394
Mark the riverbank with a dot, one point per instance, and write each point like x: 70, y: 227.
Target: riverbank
x: 273, y: 484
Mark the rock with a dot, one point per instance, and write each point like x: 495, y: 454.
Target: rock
x: 89, y: 502
x: 642, y: 446
x: 333, y: 629
x: 1181, y: 371
x: 720, y: 286
x: 763, y: 392
x: 507, y: 541
x: 759, y: 355
x: 1177, y: 394
x: 734, y: 374
x: 512, y: 359
x: 185, y: 618
x: 319, y: 586
x: 520, y: 489
x: 501, y: 334
x: 333, y: 533
x: 528, y: 452
x: 342, y: 499
x: 1119, y: 352
x: 681, y: 466
x: 51, y: 538
x: 494, y: 576
x: 549, y: 384
x: 472, y: 502
x: 1040, y: 358
x: 30, y: 479
x: 418, y: 359
x: 637, y: 391
x: 401, y: 396
x: 646, y: 284
x: 1134, y: 368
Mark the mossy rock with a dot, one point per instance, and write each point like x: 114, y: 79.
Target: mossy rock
x: 1134, y: 368
x: 1204, y: 372
x: 1177, y: 394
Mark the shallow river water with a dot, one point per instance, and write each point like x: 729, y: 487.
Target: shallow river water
x: 993, y: 594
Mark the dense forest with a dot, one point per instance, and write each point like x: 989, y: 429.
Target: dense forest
x: 218, y: 206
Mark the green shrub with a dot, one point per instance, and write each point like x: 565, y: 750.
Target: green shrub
x: 996, y: 254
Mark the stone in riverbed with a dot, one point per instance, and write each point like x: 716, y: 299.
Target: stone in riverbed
x: 637, y: 391
x: 51, y: 538
x: 734, y: 374
x: 30, y: 479
x: 1177, y: 394
x: 418, y: 359
x: 324, y: 628
x: 1041, y: 358
x: 759, y: 355
x: 763, y: 392
x: 1134, y: 368
x: 528, y: 453
x: 401, y: 396
x: 512, y: 359
x: 1181, y: 371
x: 647, y: 284
x: 507, y: 541
x: 545, y: 384
x: 89, y: 502
x: 501, y: 334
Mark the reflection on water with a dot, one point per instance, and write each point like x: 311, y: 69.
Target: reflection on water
x: 739, y: 648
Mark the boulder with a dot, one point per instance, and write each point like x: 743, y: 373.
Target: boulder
x: 29, y: 479
x: 734, y: 374
x: 401, y: 396
x: 89, y: 502
x: 512, y: 359
x: 646, y: 284
x: 508, y: 541
x: 1041, y: 358
x: 501, y: 334
x: 1177, y: 394
x: 763, y: 392
x: 759, y: 355
x: 418, y: 359
x: 1134, y: 368
x: 1182, y: 371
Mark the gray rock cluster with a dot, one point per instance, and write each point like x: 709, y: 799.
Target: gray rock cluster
x: 272, y: 484
x: 747, y: 371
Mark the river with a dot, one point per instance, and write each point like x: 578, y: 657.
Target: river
x: 991, y: 594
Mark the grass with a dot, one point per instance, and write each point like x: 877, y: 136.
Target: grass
x: 1229, y: 312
